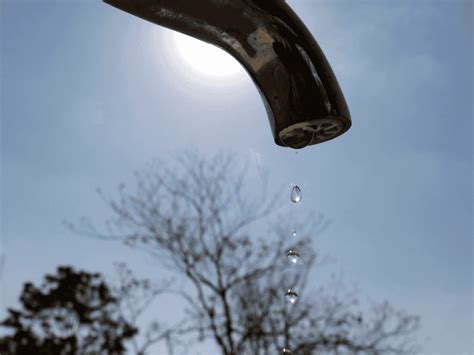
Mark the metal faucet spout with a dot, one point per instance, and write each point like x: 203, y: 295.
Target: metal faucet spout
x: 304, y: 102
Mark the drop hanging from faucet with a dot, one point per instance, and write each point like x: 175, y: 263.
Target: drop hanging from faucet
x: 304, y: 102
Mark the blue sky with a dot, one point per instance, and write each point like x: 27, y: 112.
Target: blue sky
x: 89, y: 95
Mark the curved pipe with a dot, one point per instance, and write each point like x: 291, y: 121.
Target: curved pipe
x: 304, y: 102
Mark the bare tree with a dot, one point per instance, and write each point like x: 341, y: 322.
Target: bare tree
x: 134, y: 297
x: 201, y: 218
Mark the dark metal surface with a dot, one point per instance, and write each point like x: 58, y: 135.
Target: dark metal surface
x: 304, y: 102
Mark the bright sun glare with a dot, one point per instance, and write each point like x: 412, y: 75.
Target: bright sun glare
x: 205, y: 59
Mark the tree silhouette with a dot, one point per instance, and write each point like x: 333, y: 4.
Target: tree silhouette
x: 203, y: 219
x: 72, y: 312
x: 77, y: 312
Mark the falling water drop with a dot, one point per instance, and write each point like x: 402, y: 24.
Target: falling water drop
x: 293, y: 256
x: 293, y: 234
x: 296, y: 194
x: 291, y: 296
x: 287, y: 351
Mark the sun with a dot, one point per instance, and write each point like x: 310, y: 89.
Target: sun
x: 205, y: 60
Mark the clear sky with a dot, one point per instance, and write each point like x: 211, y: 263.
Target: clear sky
x: 89, y: 94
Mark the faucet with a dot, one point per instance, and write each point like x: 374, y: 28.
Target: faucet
x: 304, y: 102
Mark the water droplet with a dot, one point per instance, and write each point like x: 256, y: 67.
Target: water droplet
x: 287, y: 351
x: 293, y: 256
x: 293, y: 234
x: 291, y: 296
x: 296, y: 194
